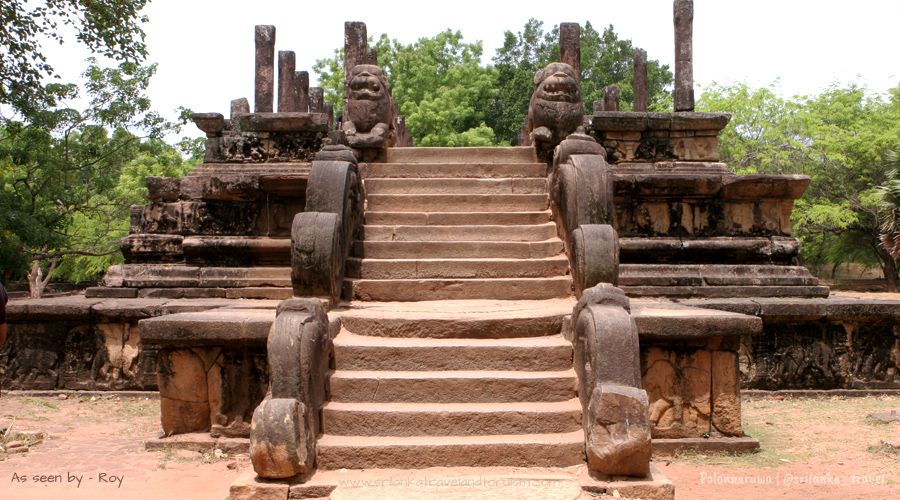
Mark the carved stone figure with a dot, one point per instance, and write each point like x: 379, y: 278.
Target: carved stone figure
x: 555, y: 110
x: 368, y: 113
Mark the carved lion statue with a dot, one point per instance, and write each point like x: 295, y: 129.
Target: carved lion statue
x: 555, y: 110
x: 368, y: 113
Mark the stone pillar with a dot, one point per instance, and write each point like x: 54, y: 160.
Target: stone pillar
x: 611, y: 98
x: 287, y: 84
x: 570, y: 45
x: 329, y: 110
x: 302, y: 85
x: 317, y: 100
x: 639, y: 83
x: 240, y: 106
x: 370, y: 57
x: 684, y: 50
x: 356, y: 46
x: 265, y: 69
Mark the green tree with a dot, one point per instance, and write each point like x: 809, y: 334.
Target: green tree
x: 890, y: 205
x: 110, y: 28
x: 61, y: 171
x: 840, y: 138
x: 605, y: 60
x: 437, y: 83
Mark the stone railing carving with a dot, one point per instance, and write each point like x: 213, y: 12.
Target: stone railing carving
x: 607, y: 360
x: 582, y: 197
x: 604, y: 336
x: 286, y: 424
x: 322, y: 235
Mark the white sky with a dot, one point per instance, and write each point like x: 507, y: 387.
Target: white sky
x: 204, y: 48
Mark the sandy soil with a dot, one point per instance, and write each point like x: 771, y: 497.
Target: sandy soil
x: 102, y: 441
x: 820, y: 448
x: 810, y: 448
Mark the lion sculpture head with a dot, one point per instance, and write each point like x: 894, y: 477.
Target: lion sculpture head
x: 368, y: 113
x: 555, y: 110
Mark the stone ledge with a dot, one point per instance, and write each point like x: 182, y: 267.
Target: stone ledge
x: 792, y: 310
x: 730, y: 445
x: 81, y: 308
x: 231, y: 326
x: 280, y: 122
x: 669, y: 321
x: 640, y: 121
x: 201, y: 442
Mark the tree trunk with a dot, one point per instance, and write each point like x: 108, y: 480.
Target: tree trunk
x: 890, y: 274
x: 37, y: 282
x: 888, y: 267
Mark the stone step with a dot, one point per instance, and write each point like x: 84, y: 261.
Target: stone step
x: 457, y: 202
x: 363, y: 352
x: 534, y: 232
x: 418, y: 452
x: 714, y: 275
x: 475, y: 386
x: 450, y: 419
x: 522, y: 154
x: 438, y: 185
x: 458, y: 249
x: 456, y: 268
x: 453, y: 289
x: 457, y: 218
x: 475, y: 170
x: 718, y: 292
x: 455, y: 319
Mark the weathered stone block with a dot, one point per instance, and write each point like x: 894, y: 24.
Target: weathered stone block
x: 696, y: 148
x: 183, y: 390
x: 726, y: 397
x: 678, y: 386
x: 163, y: 188
x: 617, y: 432
x: 152, y: 247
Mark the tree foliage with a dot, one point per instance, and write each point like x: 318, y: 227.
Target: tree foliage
x: 110, y: 28
x: 450, y: 99
x: 437, y: 82
x: 605, y: 60
x: 890, y: 204
x: 68, y: 176
x: 841, y: 139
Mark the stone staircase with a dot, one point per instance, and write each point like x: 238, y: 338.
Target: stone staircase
x: 450, y: 353
x: 452, y: 383
x: 457, y: 223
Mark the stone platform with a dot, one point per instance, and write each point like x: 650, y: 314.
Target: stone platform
x: 457, y: 483
x: 498, y: 369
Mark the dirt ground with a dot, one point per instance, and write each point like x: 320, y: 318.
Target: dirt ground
x: 102, y: 441
x: 820, y: 448
x: 810, y: 448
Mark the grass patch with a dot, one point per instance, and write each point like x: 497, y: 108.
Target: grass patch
x: 41, y: 403
x: 884, y: 449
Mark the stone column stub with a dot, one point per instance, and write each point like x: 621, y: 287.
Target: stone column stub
x: 240, y: 106
x: 570, y: 45
x: 287, y: 84
x: 639, y: 82
x: 611, y: 98
x: 356, y: 46
x: 264, y: 95
x: 302, y: 85
x: 316, y: 100
x: 683, y: 14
